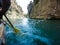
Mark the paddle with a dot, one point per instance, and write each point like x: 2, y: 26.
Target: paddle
x: 11, y: 25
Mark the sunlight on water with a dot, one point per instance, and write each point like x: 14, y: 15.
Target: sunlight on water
x: 25, y: 21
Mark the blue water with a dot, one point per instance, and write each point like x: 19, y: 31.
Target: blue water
x: 34, y: 32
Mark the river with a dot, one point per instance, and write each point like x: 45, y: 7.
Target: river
x: 34, y: 32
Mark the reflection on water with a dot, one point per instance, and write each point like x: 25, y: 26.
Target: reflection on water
x: 34, y: 32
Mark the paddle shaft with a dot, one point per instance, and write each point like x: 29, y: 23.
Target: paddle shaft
x: 9, y: 21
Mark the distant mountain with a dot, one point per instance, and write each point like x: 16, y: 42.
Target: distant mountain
x: 15, y: 11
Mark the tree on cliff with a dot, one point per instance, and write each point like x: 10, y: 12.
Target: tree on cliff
x: 36, y: 1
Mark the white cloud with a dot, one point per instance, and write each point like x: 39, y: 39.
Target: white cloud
x: 23, y: 4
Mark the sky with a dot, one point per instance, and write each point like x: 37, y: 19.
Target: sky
x: 24, y: 4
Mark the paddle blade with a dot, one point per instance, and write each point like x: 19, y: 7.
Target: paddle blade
x: 17, y: 31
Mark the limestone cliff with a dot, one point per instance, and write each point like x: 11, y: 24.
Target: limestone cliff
x: 46, y: 9
x: 15, y: 11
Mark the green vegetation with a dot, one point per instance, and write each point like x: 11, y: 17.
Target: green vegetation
x: 36, y: 1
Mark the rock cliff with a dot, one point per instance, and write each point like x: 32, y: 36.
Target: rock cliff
x: 15, y: 11
x: 46, y: 9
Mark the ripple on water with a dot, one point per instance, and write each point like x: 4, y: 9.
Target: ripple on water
x: 28, y: 37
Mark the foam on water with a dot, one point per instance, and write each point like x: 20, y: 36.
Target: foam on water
x: 25, y: 39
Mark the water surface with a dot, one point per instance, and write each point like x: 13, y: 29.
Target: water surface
x: 34, y: 32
